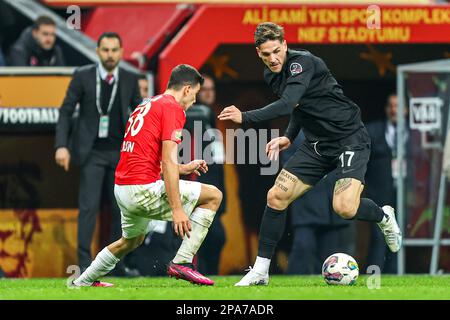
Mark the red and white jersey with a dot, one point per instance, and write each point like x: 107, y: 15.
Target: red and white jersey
x: 153, y: 121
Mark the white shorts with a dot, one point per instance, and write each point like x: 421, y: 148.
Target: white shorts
x: 139, y: 204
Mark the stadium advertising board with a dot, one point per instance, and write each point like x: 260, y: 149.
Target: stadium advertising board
x: 308, y: 24
x: 30, y: 100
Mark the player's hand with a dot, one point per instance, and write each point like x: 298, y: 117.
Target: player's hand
x: 231, y: 113
x: 276, y: 145
x: 62, y: 158
x: 196, y: 166
x: 181, y: 223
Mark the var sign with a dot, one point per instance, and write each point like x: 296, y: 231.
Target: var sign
x: 425, y: 113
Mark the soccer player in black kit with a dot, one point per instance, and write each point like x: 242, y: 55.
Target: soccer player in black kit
x: 335, y: 138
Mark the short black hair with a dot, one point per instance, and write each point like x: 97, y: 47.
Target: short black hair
x: 182, y: 75
x: 43, y: 20
x: 388, y: 98
x: 142, y: 76
x: 109, y: 35
x: 267, y: 31
x: 207, y: 75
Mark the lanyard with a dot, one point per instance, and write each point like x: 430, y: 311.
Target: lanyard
x: 98, y: 93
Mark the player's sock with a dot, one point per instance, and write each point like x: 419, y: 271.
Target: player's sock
x: 369, y: 211
x: 271, y: 231
x: 261, y: 265
x: 200, y: 219
x: 103, y: 263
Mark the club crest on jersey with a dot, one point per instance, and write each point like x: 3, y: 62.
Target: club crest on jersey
x: 295, y: 68
x: 178, y: 134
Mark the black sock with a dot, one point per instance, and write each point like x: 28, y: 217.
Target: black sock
x: 272, y: 228
x: 369, y: 211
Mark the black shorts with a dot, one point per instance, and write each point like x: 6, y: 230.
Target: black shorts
x: 313, y: 160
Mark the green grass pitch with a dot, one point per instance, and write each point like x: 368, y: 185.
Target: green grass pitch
x: 281, y: 288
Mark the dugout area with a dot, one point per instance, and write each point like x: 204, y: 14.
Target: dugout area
x: 38, y: 201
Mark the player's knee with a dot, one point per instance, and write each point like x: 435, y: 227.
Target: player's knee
x: 217, y: 196
x: 277, y: 199
x: 139, y: 241
x: 131, y: 244
x: 345, y: 209
x: 214, y: 197
x: 123, y: 245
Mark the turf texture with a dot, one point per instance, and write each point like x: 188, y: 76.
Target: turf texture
x: 280, y: 288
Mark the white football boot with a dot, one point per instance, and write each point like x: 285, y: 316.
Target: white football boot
x: 390, y: 229
x: 253, y: 278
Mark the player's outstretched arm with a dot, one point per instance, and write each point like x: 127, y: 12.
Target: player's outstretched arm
x: 195, y: 166
x: 293, y: 128
x: 181, y: 223
x: 282, y: 107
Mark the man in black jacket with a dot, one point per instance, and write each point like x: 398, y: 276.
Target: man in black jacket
x: 7, y: 24
x: 37, y: 46
x: 106, y: 95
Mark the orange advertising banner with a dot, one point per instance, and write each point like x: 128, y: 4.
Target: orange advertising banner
x: 332, y: 24
x: 32, y: 91
x: 30, y: 97
x: 33, y: 87
x: 373, y: 24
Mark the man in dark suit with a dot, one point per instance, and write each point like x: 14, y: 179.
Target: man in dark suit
x: 381, y: 175
x: 106, y: 95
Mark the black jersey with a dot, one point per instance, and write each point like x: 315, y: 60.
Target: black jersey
x: 309, y: 92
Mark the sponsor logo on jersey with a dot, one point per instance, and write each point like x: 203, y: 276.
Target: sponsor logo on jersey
x: 295, y: 68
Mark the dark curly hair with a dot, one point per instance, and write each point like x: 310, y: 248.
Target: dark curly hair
x: 266, y: 31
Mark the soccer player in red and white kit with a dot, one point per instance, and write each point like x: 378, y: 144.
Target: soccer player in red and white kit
x: 151, y: 137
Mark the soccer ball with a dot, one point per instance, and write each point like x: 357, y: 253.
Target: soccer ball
x: 341, y: 269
